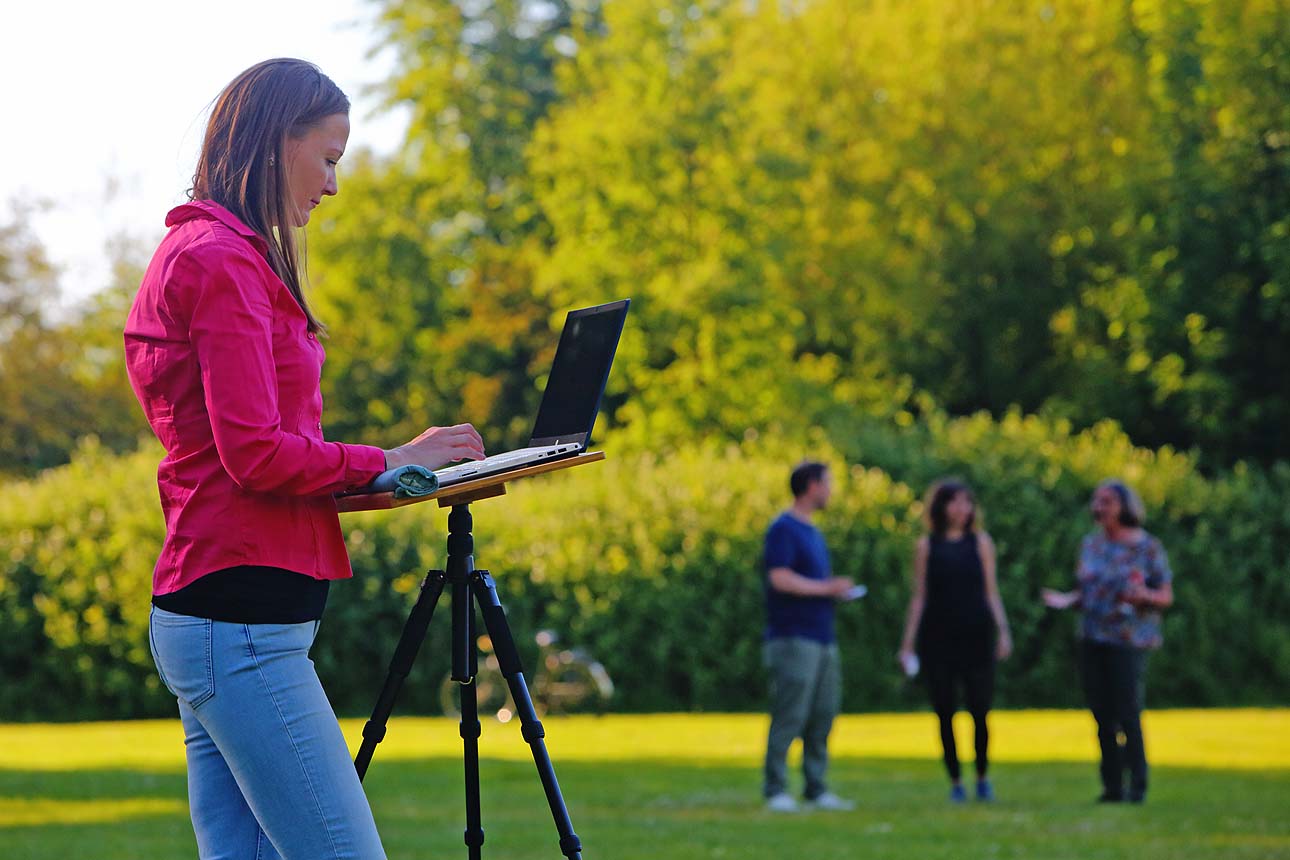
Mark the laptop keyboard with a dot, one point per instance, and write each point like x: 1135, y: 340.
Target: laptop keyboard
x: 452, y: 474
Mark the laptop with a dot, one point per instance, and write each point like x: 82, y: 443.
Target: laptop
x: 571, y: 399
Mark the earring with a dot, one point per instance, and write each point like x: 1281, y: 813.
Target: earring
x: 271, y: 161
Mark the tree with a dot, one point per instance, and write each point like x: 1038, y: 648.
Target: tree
x: 60, y: 378
x: 429, y: 269
x: 828, y: 209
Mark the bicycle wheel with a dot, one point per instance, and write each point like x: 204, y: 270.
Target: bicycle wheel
x: 573, y: 681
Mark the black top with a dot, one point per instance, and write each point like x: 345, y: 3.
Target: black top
x: 956, y: 619
x: 249, y: 594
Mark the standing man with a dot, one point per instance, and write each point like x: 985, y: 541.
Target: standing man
x: 801, y: 651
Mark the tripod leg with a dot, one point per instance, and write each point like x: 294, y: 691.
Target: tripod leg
x: 414, y: 633
x: 531, y: 728
x: 461, y: 564
x: 463, y: 636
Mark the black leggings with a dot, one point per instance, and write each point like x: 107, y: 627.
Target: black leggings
x: 978, y: 683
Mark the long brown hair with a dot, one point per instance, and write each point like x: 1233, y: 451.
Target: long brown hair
x: 241, y: 163
x: 938, y: 497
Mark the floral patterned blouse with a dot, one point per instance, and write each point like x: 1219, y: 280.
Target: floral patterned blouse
x: 1106, y: 568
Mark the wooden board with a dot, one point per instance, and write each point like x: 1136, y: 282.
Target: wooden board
x: 467, y: 491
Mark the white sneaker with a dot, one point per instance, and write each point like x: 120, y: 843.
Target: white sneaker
x: 781, y: 802
x: 830, y: 801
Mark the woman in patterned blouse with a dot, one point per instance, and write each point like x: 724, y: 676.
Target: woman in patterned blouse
x: 1124, y: 583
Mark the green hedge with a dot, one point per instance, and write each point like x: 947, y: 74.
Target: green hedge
x: 651, y: 563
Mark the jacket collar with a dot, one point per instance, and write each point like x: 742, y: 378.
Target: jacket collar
x: 211, y: 209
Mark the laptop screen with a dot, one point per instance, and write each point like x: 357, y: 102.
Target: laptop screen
x: 578, y: 374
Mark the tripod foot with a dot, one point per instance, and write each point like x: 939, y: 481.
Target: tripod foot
x: 571, y: 846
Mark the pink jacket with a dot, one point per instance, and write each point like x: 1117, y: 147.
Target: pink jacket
x: 220, y: 356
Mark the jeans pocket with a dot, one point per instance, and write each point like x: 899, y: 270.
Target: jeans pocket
x: 181, y: 648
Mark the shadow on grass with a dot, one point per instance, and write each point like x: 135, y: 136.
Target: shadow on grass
x: 677, y: 809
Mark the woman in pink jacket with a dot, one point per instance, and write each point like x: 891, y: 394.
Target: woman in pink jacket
x: 224, y: 356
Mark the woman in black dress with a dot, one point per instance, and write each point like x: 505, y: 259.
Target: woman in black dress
x: 956, y: 625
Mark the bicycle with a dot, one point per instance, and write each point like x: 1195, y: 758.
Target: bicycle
x: 564, y: 680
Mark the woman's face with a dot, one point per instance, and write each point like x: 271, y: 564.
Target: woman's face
x: 310, y: 165
x: 959, y: 510
x: 1105, y: 506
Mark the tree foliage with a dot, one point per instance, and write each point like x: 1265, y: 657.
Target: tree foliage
x: 62, y: 376
x: 823, y: 208
x: 430, y: 275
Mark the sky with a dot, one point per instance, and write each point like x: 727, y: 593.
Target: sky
x: 104, y: 106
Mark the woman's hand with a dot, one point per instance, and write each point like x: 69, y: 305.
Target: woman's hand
x: 1059, y: 599
x: 1137, y: 594
x: 437, y: 447
x: 908, y: 661
x: 1003, y: 648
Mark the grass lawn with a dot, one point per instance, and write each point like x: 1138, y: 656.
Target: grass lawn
x: 687, y: 786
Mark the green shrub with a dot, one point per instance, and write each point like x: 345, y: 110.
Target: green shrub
x: 652, y: 563
x: 79, y: 544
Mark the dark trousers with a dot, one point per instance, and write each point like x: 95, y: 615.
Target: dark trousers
x: 805, y: 696
x: 977, y: 679
x: 1113, y: 684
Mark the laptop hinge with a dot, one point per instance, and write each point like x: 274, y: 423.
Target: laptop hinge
x: 569, y: 439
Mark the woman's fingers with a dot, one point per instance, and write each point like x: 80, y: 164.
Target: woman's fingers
x: 466, y: 434
x: 468, y: 451
x: 454, y: 443
x: 464, y: 429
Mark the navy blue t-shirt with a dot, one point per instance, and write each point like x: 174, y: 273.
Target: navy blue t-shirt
x: 800, y: 547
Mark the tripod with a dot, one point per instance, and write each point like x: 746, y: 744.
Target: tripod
x: 468, y: 586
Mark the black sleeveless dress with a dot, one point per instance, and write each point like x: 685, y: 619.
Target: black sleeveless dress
x: 956, y: 627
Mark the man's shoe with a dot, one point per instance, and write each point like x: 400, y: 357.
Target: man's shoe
x: 781, y: 802
x: 957, y: 794
x: 830, y: 801
x: 1108, y: 797
x: 984, y: 790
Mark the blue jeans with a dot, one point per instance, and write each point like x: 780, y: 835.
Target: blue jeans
x: 269, y: 775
